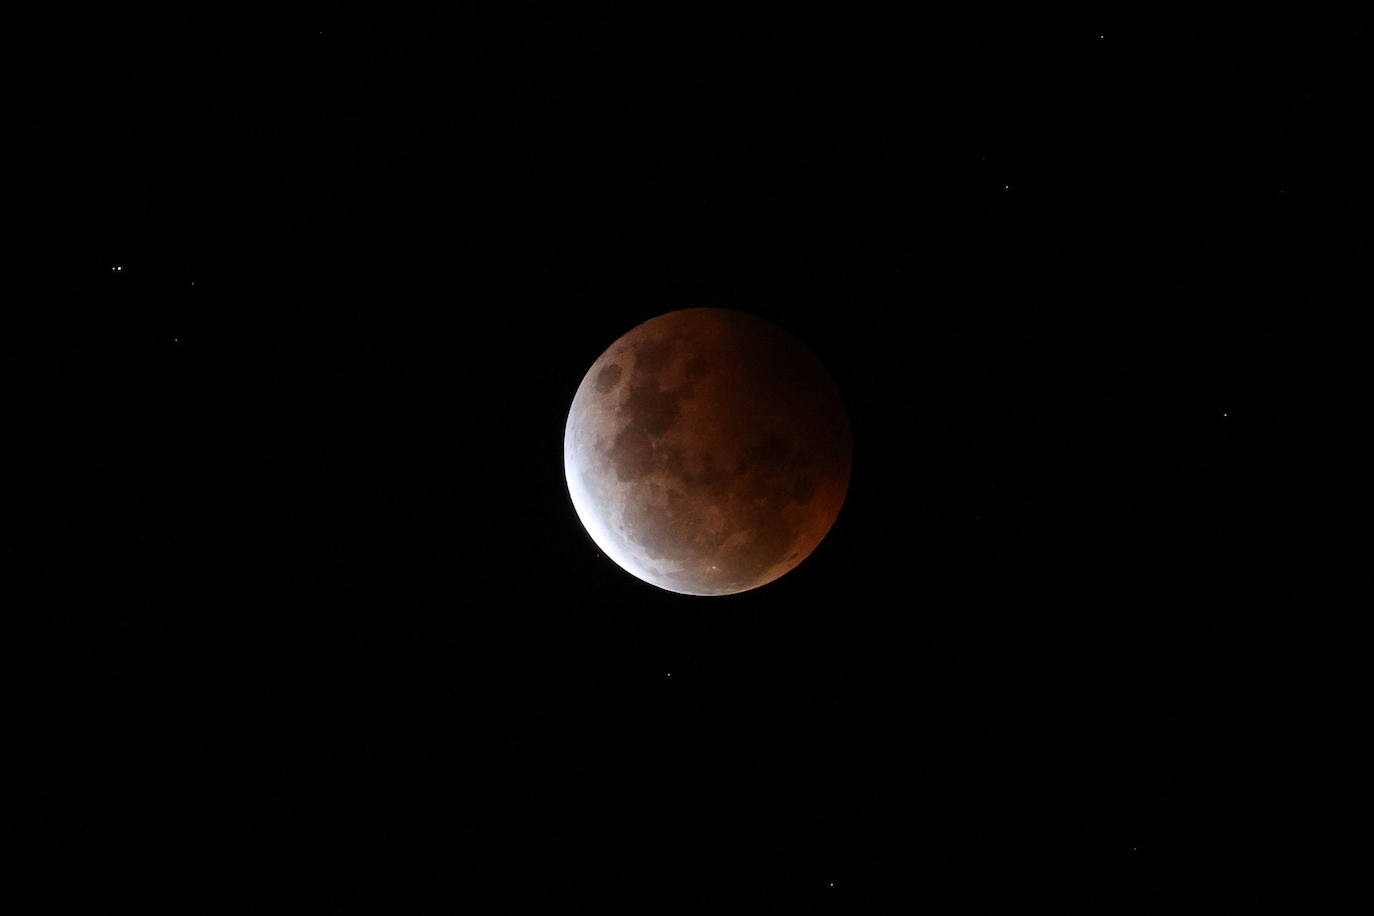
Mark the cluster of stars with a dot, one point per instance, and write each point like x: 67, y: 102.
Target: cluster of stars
x: 1006, y: 187
x: 119, y: 269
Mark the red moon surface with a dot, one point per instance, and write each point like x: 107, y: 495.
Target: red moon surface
x: 707, y: 452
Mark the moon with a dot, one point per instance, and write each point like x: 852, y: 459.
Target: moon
x: 707, y: 452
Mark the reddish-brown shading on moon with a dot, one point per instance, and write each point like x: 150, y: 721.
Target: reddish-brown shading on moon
x: 707, y: 452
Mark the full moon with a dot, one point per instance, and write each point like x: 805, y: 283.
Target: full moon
x: 707, y: 452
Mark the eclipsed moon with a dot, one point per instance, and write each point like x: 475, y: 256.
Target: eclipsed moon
x: 707, y: 452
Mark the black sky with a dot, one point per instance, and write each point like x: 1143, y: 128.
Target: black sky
x: 322, y: 631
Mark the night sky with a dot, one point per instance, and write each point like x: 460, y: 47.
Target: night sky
x: 321, y: 632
